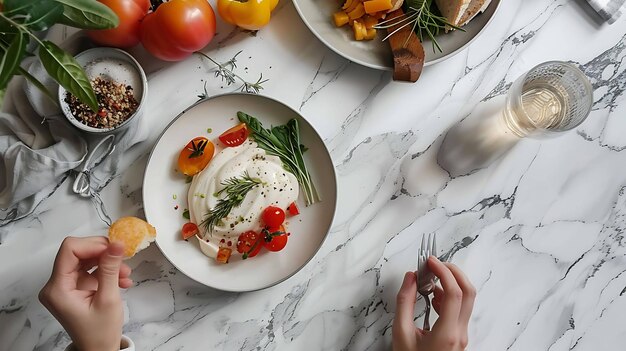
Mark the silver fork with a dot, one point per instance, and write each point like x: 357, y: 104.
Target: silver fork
x: 425, y: 278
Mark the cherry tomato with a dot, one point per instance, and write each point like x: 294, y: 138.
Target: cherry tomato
x: 177, y: 28
x: 126, y: 34
x: 273, y: 216
x: 235, y: 136
x: 195, y: 156
x: 249, y: 244
x: 189, y: 230
x: 223, y: 254
x: 275, y: 238
x: 293, y: 209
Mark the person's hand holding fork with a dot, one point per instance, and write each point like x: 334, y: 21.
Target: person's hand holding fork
x: 453, y: 303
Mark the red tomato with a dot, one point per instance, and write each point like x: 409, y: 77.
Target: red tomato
x: 293, y: 209
x: 249, y: 244
x: 178, y: 28
x: 223, y: 254
x: 189, y: 230
x: 275, y: 238
x: 273, y: 216
x: 195, y: 156
x: 126, y: 34
x: 235, y: 136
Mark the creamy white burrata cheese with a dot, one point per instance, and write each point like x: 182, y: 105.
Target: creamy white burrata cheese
x: 279, y: 188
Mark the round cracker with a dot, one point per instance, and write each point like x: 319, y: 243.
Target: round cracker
x: 131, y: 231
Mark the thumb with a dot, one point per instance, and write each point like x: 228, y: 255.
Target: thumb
x: 109, y: 271
x: 405, y: 309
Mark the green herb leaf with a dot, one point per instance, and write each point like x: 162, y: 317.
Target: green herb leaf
x: 88, y: 14
x: 284, y: 142
x: 37, y: 15
x: 197, y: 150
x: 186, y: 214
x: 68, y: 73
x: 11, y: 58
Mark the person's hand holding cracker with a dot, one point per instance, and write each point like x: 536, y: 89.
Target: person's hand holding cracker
x: 88, y: 303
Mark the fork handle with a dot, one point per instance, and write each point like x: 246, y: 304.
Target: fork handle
x: 427, y: 314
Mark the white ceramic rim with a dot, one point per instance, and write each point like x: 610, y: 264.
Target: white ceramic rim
x: 387, y: 68
x: 325, y: 148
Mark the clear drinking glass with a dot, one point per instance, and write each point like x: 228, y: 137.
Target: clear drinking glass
x: 550, y: 98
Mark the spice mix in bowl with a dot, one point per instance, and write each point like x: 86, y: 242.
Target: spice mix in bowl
x: 120, y: 86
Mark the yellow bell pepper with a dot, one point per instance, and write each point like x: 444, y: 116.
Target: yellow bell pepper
x: 247, y: 14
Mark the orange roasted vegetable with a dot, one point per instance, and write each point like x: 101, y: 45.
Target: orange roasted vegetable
x: 195, y: 156
x: 373, y: 6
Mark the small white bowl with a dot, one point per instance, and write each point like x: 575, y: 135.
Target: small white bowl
x: 117, y: 66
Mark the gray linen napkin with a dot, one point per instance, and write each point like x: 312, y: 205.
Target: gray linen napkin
x: 36, y: 157
x: 609, y: 10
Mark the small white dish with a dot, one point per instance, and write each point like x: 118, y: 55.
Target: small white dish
x: 317, y: 15
x: 164, y: 188
x: 117, y: 66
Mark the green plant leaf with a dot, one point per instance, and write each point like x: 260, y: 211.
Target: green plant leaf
x: 37, y: 15
x: 6, y: 27
x: 88, y: 14
x: 11, y: 58
x: 67, y: 72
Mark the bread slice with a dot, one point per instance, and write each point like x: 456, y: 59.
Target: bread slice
x: 453, y: 10
x: 475, y: 7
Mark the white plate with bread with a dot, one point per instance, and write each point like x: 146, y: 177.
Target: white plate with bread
x: 471, y: 15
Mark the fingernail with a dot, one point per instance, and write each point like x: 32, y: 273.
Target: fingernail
x: 434, y: 258
x: 407, y: 278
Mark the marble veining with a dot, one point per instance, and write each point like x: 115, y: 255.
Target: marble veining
x: 538, y: 225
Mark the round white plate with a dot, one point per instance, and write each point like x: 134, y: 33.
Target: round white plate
x: 317, y: 15
x: 162, y: 182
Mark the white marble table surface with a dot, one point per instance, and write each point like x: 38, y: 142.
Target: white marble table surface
x: 539, y: 230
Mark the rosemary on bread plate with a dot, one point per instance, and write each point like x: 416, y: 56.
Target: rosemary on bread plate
x: 425, y: 20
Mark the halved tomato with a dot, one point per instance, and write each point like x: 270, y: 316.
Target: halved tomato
x: 293, y: 209
x: 235, y: 136
x: 249, y: 244
x: 195, y: 156
x: 189, y: 230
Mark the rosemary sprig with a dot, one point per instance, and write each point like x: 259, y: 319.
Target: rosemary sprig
x: 421, y: 16
x: 226, y: 72
x: 205, y: 94
x: 236, y: 190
